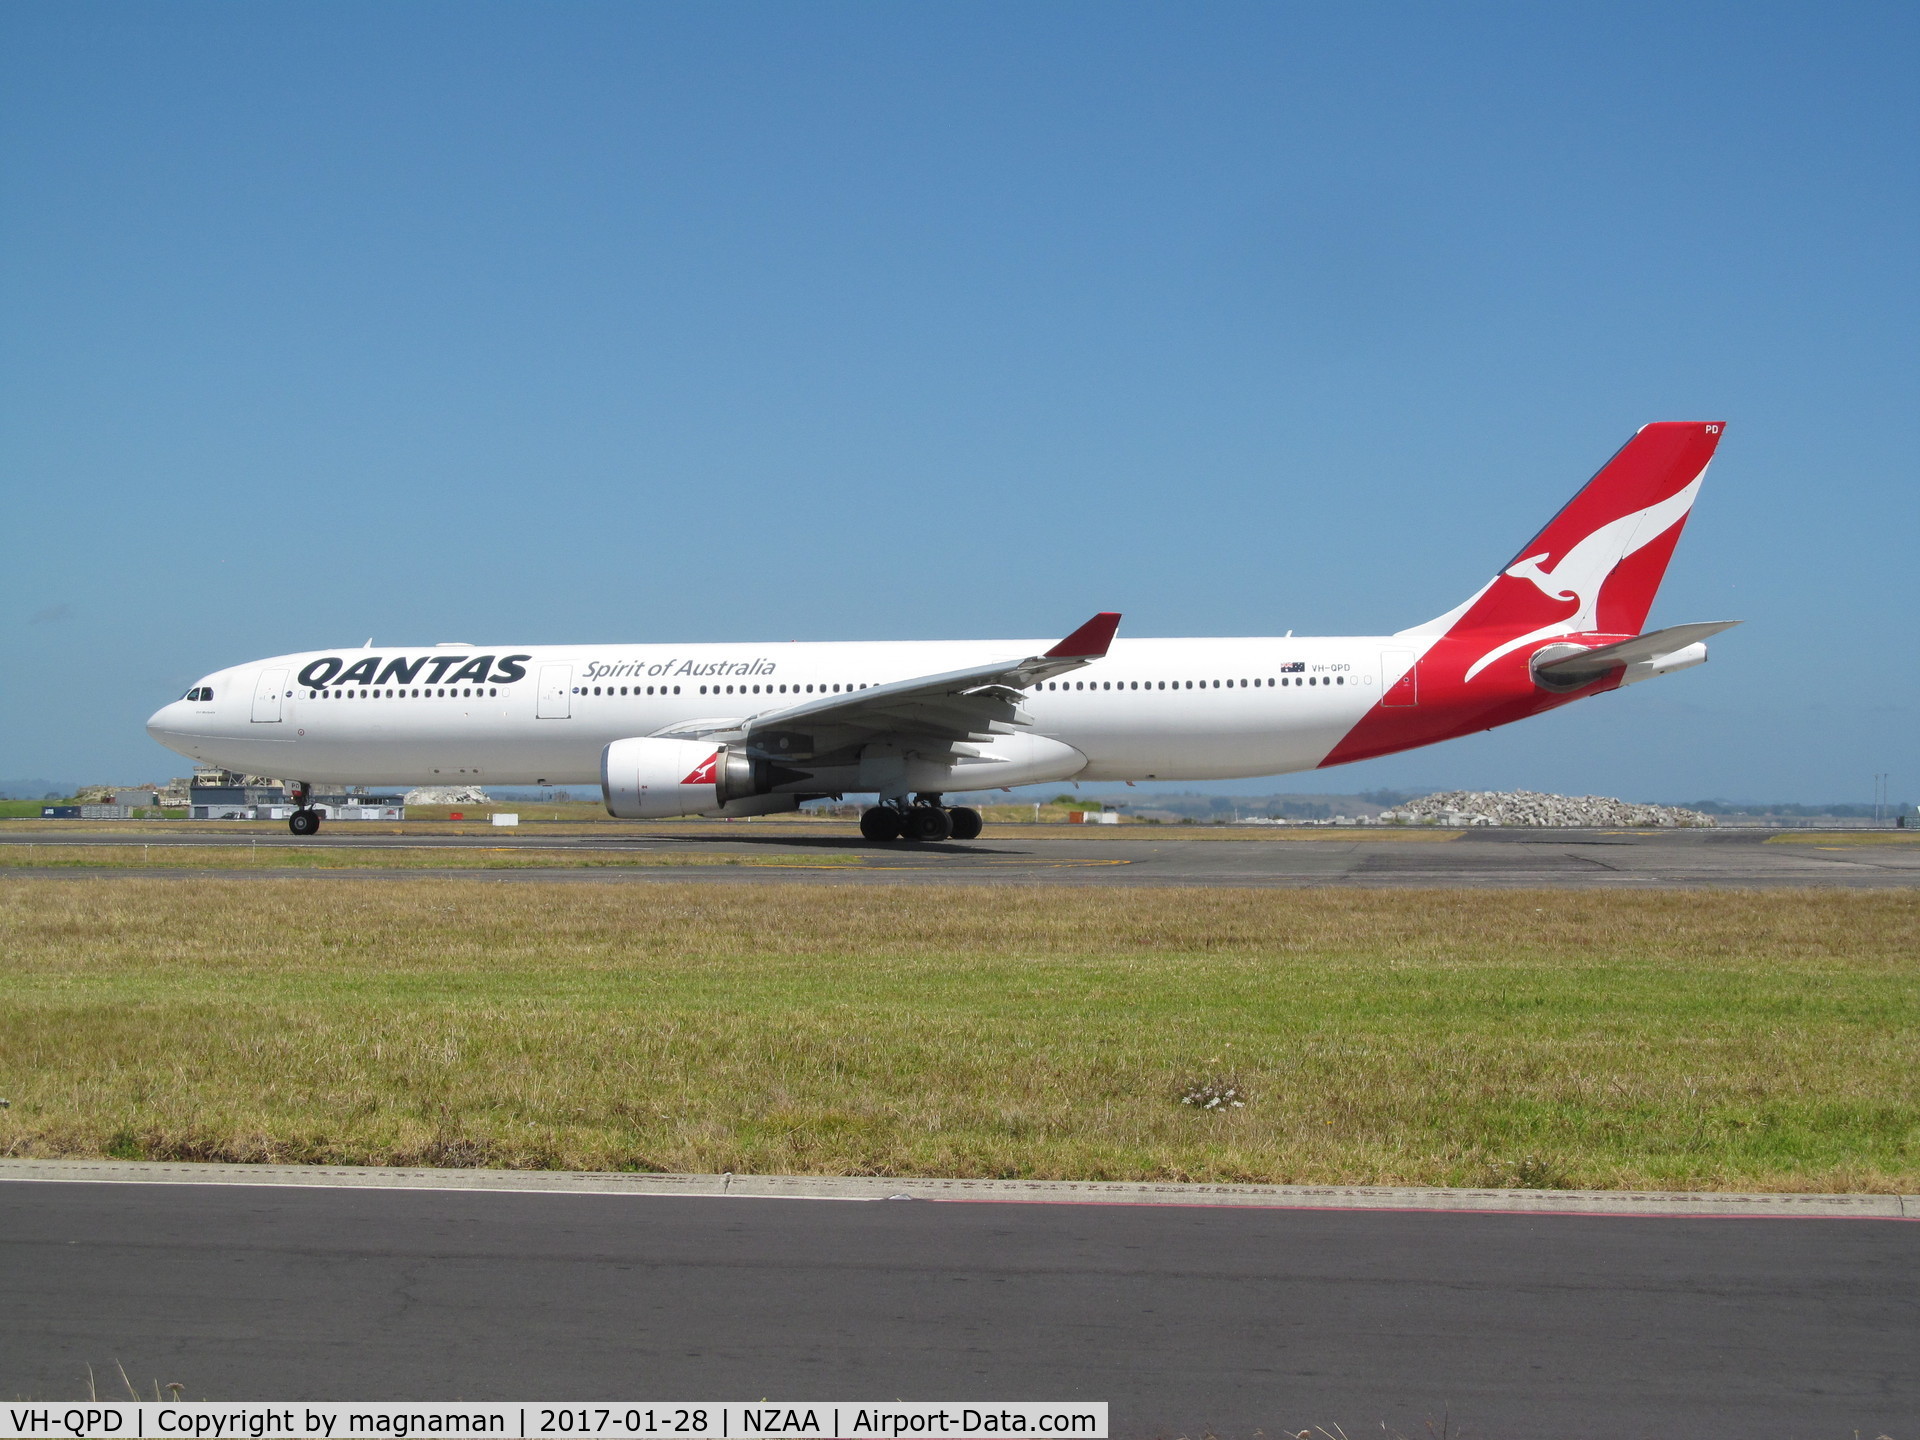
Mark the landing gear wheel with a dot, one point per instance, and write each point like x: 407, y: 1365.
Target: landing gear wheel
x: 881, y: 823
x: 966, y: 822
x: 304, y: 822
x: 929, y: 822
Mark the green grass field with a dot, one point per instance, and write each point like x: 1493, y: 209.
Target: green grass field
x: 1628, y: 1039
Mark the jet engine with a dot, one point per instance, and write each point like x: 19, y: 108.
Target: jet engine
x: 651, y: 779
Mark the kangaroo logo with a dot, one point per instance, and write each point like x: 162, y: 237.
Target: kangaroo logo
x: 1529, y: 569
x: 1582, y: 571
x: 704, y: 772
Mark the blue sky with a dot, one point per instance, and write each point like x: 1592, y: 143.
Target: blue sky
x: 619, y: 322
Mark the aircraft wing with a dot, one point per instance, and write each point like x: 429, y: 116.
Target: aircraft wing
x: 951, y: 709
x: 1592, y: 664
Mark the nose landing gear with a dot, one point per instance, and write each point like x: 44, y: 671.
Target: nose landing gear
x: 303, y: 821
x: 925, y: 820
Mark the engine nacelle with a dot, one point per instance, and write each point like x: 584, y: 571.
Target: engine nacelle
x: 653, y: 779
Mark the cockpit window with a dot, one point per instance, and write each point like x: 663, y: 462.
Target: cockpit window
x: 201, y: 693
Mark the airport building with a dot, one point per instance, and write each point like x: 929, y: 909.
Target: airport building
x: 221, y: 795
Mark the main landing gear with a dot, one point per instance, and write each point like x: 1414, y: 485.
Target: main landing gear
x: 926, y: 819
x: 303, y: 821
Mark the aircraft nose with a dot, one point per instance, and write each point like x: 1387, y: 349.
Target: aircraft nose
x: 168, y: 719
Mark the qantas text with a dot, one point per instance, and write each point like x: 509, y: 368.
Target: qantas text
x: 496, y: 670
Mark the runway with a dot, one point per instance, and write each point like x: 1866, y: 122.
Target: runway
x: 1189, y: 1320
x: 1563, y: 859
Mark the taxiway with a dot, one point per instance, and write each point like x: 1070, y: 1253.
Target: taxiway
x: 1577, y: 859
x: 1188, y: 1319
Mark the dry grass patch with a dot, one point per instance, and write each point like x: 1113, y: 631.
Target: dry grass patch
x: 1626, y: 1039
x: 1331, y: 834
x: 286, y: 856
x: 1838, y: 839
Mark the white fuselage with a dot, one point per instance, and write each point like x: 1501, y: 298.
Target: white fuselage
x: 1150, y: 709
x: 747, y: 729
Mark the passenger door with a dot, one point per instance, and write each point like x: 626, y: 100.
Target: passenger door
x: 1400, y: 674
x: 556, y: 693
x: 266, y: 697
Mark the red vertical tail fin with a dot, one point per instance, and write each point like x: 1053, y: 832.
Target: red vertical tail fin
x: 1596, y: 565
x: 1588, y: 579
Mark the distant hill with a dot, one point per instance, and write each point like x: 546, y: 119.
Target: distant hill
x: 37, y: 789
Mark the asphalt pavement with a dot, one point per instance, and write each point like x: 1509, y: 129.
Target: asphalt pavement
x: 1188, y: 1319
x: 1574, y: 859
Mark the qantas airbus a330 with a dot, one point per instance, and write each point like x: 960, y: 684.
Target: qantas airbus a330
x: 750, y: 729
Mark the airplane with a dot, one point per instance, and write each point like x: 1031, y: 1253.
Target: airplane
x: 733, y: 730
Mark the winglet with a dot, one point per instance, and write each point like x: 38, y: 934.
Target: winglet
x: 1090, y: 641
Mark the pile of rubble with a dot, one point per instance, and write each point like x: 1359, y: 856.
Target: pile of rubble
x: 1530, y: 807
x: 447, y: 795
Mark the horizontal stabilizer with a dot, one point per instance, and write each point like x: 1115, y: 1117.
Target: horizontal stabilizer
x: 1582, y: 665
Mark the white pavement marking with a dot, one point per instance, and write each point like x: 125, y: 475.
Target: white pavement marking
x: 1046, y: 1192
